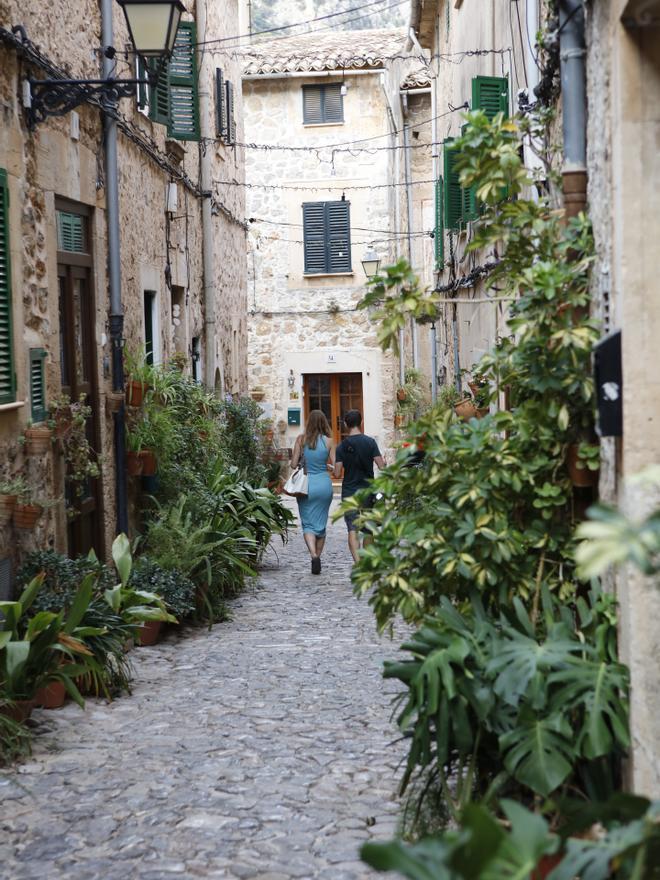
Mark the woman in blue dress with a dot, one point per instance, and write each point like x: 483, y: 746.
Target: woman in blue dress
x: 318, y: 449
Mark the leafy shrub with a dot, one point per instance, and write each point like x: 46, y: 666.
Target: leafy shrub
x: 177, y: 591
x: 62, y: 578
x: 15, y: 739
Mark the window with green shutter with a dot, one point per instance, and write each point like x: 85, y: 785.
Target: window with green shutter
x: 322, y: 104
x: 327, y: 237
x: 469, y: 197
x: 71, y: 232
x: 184, y: 104
x: 38, y: 410
x: 490, y: 94
x: 453, y: 191
x: 439, y: 233
x: 7, y: 374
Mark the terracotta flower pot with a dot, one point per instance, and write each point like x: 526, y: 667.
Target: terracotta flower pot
x: 466, y: 409
x: 26, y: 515
x: 7, y: 504
x: 546, y: 865
x: 399, y: 420
x: 149, y: 632
x: 135, y: 392
x: 401, y: 394
x: 114, y: 401
x: 51, y: 696
x: 581, y: 477
x: 19, y: 711
x: 483, y: 412
x: 149, y: 463
x: 37, y: 439
x: 133, y: 464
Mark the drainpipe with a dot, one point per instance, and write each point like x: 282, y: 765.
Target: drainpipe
x: 208, y: 251
x: 114, y: 278
x: 409, y: 210
x: 572, y: 54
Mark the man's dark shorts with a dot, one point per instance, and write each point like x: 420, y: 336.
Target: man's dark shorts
x: 352, y: 515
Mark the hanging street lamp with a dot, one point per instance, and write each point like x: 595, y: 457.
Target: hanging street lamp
x: 152, y: 27
x: 371, y: 262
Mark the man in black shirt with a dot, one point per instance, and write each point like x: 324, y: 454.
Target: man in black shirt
x: 355, y: 457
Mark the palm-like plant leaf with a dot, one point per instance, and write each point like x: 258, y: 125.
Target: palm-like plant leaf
x: 539, y: 752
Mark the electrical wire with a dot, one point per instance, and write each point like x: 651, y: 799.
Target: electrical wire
x: 319, y: 187
x: 358, y: 228
x: 285, y: 27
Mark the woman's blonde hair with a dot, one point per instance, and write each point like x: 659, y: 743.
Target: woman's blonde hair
x: 317, y: 426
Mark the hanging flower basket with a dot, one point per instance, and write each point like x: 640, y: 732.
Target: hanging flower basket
x: 135, y: 392
x: 133, y: 464
x: 581, y: 477
x: 149, y: 463
x: 401, y: 394
x: 114, y: 401
x: 26, y: 515
x: 37, y: 439
x: 466, y: 409
x: 7, y: 504
x: 399, y: 420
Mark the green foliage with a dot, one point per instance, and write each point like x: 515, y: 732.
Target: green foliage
x: 612, y: 538
x: 627, y: 846
x: 15, y: 739
x: 62, y: 577
x: 540, y: 701
x: 177, y: 591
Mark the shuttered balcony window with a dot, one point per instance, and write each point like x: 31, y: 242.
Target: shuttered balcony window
x: 453, y: 191
x: 490, y: 94
x: 439, y: 233
x: 184, y: 104
x: 327, y: 237
x: 322, y: 104
x: 7, y: 374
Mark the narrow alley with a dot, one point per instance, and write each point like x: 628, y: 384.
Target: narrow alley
x: 258, y: 749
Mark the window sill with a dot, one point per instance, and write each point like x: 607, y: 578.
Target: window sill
x: 322, y: 124
x: 8, y: 407
x: 328, y: 274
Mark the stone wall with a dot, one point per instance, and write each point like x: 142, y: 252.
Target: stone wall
x: 54, y: 162
x: 308, y: 324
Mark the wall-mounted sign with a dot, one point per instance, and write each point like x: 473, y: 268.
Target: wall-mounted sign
x: 609, y: 385
x: 293, y: 417
x: 332, y: 358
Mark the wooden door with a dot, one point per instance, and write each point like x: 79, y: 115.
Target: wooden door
x: 334, y: 394
x: 78, y: 378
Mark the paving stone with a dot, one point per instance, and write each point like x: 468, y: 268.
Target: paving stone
x: 257, y: 749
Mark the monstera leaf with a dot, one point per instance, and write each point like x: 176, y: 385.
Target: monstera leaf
x: 421, y: 861
x: 539, y: 752
x: 600, y: 690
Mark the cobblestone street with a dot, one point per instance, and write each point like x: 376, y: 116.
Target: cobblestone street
x: 258, y: 749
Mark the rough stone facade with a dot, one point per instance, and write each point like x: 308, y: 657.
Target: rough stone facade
x: 308, y: 324
x: 160, y: 252
x: 623, y: 78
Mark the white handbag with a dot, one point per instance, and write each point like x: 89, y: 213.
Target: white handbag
x: 297, y: 485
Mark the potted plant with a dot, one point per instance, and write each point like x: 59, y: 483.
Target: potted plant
x: 10, y: 490
x: 410, y: 395
x: 27, y: 509
x: 114, y: 401
x: 133, y: 459
x: 71, y: 421
x: 583, y: 464
x: 37, y: 439
x: 466, y: 409
x: 140, y: 377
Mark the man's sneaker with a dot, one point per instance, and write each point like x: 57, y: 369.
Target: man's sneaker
x: 316, y: 565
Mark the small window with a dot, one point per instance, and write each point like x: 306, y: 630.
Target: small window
x: 196, y: 359
x: 327, y: 237
x: 38, y: 410
x: 7, y: 375
x: 322, y: 104
x: 151, y: 339
x: 71, y: 233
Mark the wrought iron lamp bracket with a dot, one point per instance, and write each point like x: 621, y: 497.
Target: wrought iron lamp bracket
x: 56, y: 97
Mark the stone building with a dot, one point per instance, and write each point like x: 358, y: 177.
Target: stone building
x: 327, y: 183
x: 480, y: 57
x: 622, y: 40
x: 611, y: 169
x: 181, y: 263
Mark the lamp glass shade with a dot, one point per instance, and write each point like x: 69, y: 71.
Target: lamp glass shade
x: 152, y: 25
x: 370, y: 263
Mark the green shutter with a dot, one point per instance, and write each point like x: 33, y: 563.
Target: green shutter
x: 231, y: 119
x: 142, y: 94
x: 159, y: 95
x: 469, y: 197
x: 490, y: 94
x: 314, y: 237
x: 184, y: 105
x: 70, y: 233
x: 453, y: 192
x: 439, y: 234
x: 220, y: 105
x: 338, y: 236
x: 38, y: 410
x: 7, y: 375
